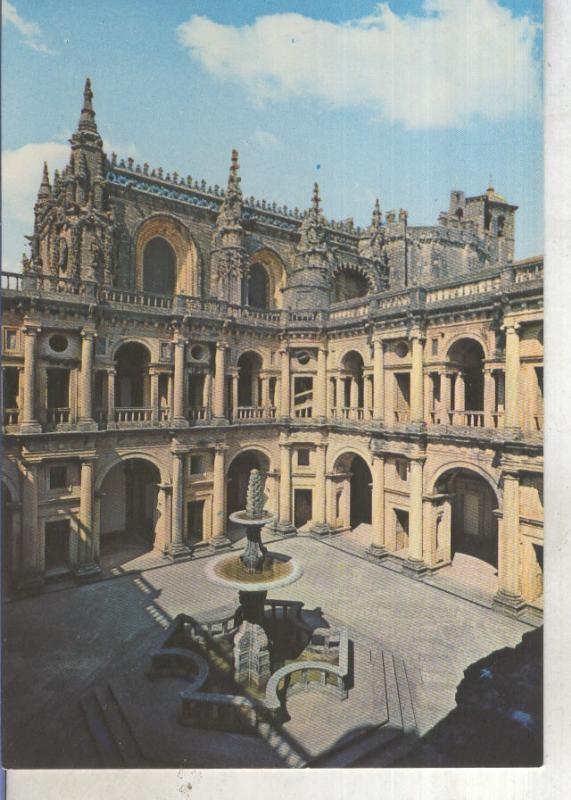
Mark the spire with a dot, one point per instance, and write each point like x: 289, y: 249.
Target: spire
x: 87, y: 118
x: 315, y: 199
x: 376, y: 216
x: 45, y: 189
x: 234, y: 178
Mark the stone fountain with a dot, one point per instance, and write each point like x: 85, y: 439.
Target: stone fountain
x: 253, y: 574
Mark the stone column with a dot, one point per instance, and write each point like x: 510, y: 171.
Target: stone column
x: 321, y: 387
x: 285, y: 526
x: 378, y: 547
x: 416, y: 380
x: 508, y: 597
x: 285, y: 404
x: 378, y: 379
x: 320, y: 526
x: 179, y: 419
x: 87, y: 551
x: 368, y: 396
x: 219, y: 383
x: 354, y: 398
x: 331, y: 397
x: 177, y: 546
x: 163, y: 533
x: 446, y: 402
x: 234, y: 396
x: 460, y: 393
x: 31, y: 578
x: 415, y: 562
x: 86, y: 421
x: 219, y: 539
x: 111, y: 398
x: 29, y: 423
x: 155, y: 396
x: 207, y: 394
x: 512, y: 412
x: 265, y: 393
x: 489, y: 397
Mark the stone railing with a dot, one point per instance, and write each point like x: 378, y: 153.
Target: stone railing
x: 484, y: 286
x: 303, y: 675
x: 528, y: 272
x: 246, y: 413
x: 402, y: 415
x: 217, y: 711
x: 193, y: 630
x: 11, y: 417
x: 130, y: 415
x: 12, y: 281
x: 197, y: 413
x: 349, y: 311
x: 164, y: 413
x: 256, y: 314
x: 497, y: 419
x: 58, y: 416
x: 351, y: 414
x: 391, y: 300
x: 469, y: 419
x: 133, y: 298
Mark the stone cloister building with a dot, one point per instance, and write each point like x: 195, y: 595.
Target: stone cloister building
x: 165, y: 336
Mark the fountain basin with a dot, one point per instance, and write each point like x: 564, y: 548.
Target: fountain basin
x: 278, y: 570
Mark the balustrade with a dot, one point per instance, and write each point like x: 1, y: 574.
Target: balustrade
x: 11, y: 416
x: 59, y: 416
x: 402, y: 415
x: 129, y: 415
x: 197, y: 413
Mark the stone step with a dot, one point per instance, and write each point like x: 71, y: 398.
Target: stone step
x: 118, y: 727
x: 392, y: 691
x: 359, y: 748
x: 106, y: 747
x: 405, y: 696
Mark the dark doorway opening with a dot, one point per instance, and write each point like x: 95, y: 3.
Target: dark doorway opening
x: 302, y: 507
x: 195, y: 521
x: 57, y: 546
x: 361, y: 493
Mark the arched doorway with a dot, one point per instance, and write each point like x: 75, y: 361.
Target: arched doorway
x: 159, y: 267
x: 239, y: 474
x: 132, y: 379
x: 352, y: 385
x: 466, y: 358
x: 249, y: 382
x: 256, y: 287
x: 473, y: 524
x: 128, y: 511
x: 352, y: 493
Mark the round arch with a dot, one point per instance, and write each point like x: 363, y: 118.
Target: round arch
x: 475, y: 337
x: 130, y: 340
x: 238, y: 475
x: 468, y: 466
x: 352, y: 450
x: 276, y: 273
x: 118, y: 459
x: 349, y: 282
x: 353, y: 490
x: 187, y: 255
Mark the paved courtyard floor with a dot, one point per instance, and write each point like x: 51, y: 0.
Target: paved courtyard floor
x: 58, y: 645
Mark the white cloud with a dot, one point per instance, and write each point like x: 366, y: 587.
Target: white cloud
x: 32, y: 34
x: 459, y: 60
x: 21, y: 177
x: 266, y: 140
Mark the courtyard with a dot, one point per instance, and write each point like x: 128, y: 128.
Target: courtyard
x: 60, y: 645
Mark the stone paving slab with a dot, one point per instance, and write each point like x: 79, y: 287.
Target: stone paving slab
x: 58, y: 644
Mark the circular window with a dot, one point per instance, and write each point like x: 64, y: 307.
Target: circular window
x: 198, y: 352
x: 401, y: 349
x: 58, y: 343
x: 303, y: 357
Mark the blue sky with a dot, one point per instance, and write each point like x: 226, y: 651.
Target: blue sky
x: 404, y: 102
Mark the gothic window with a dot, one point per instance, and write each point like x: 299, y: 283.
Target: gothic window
x: 257, y: 288
x: 159, y: 267
x: 500, y: 225
x: 349, y: 284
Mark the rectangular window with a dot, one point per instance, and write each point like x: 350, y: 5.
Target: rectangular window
x: 434, y: 347
x: 401, y: 528
x: 58, y: 477
x: 165, y: 351
x: 197, y: 465
x: 11, y: 338
x: 100, y: 346
x: 402, y: 469
x: 303, y: 457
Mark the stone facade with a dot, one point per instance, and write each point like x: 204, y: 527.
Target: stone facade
x: 165, y: 337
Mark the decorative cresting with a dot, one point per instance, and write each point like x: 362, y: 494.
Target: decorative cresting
x: 308, y: 286
x: 75, y: 236
x: 374, y: 260
x: 171, y: 229
x: 229, y: 256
